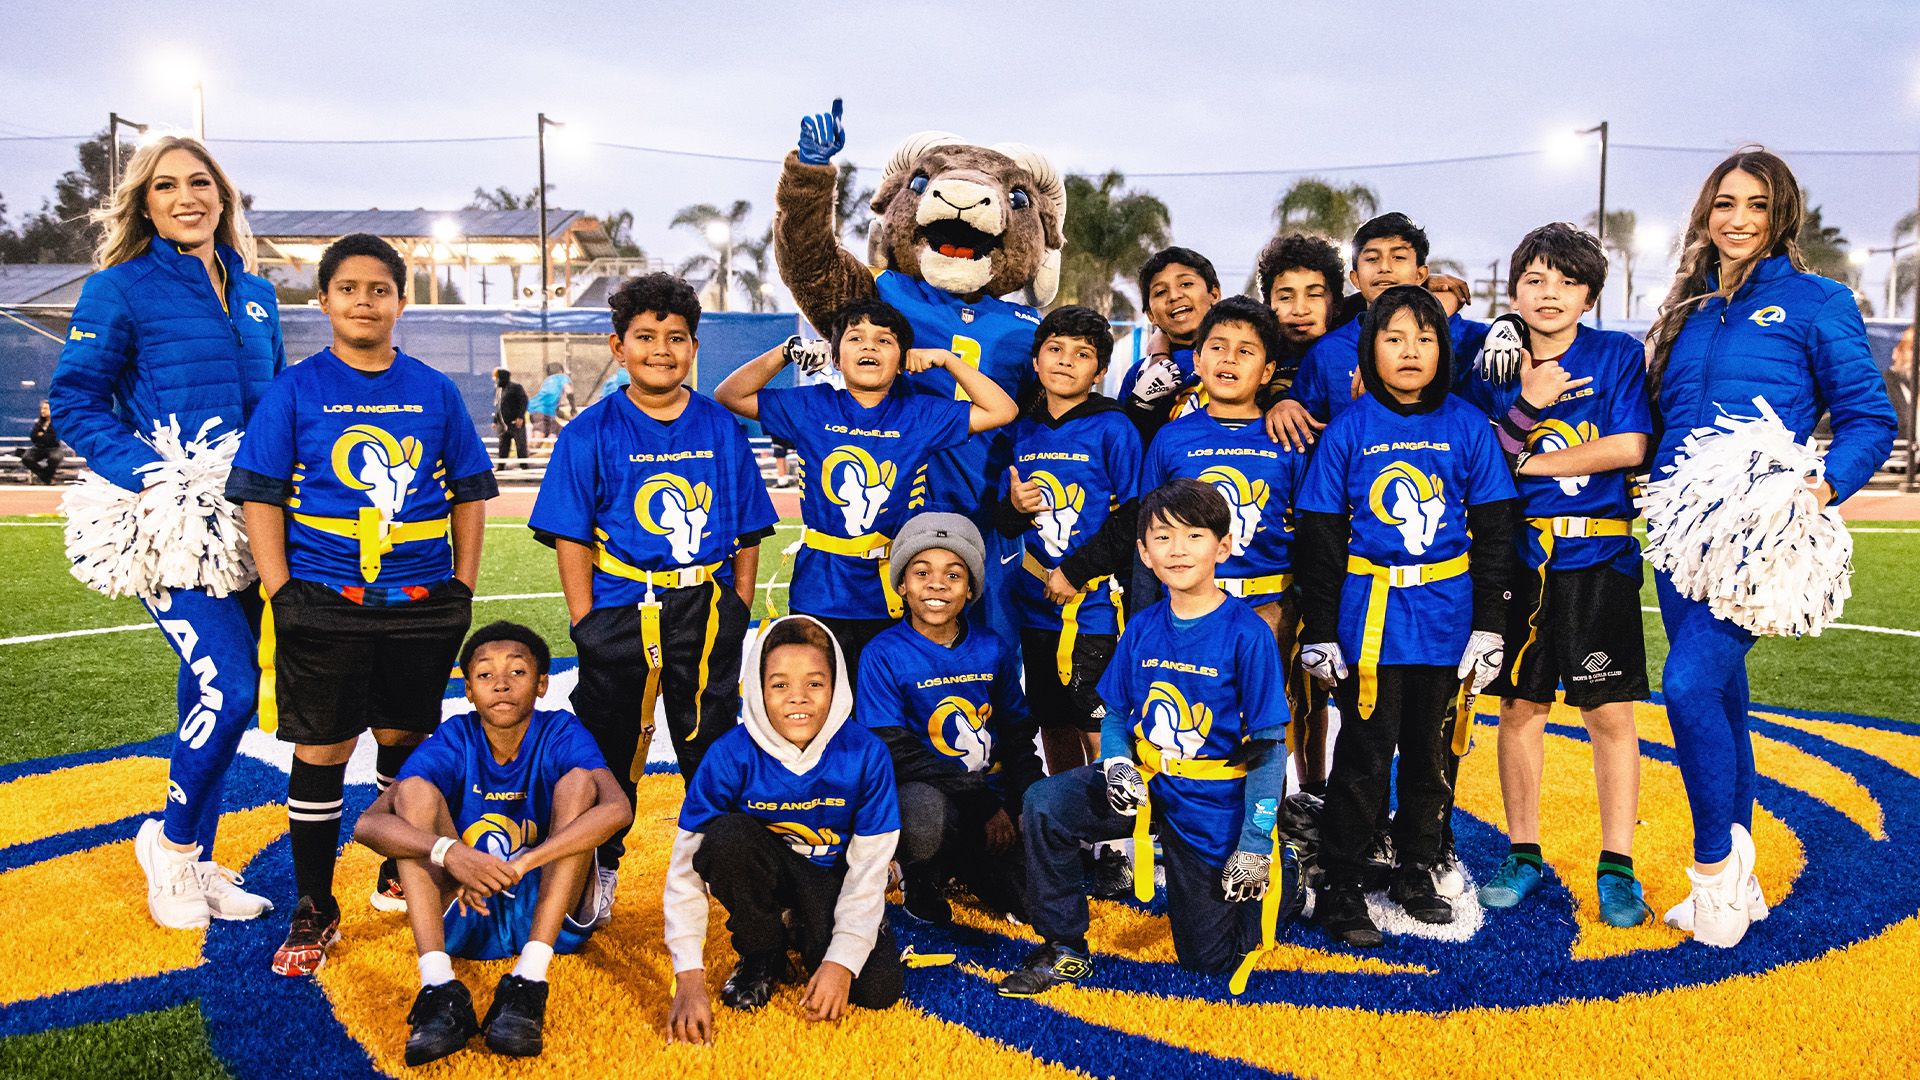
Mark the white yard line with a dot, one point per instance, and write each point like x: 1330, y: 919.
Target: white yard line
x: 1893, y: 630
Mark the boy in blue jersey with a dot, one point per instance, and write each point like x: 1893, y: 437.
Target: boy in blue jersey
x: 943, y: 692
x: 1404, y: 559
x: 1069, y: 498
x: 1195, y: 745
x: 864, y: 453
x: 1577, y: 423
x: 494, y: 821
x: 364, y: 486
x: 1178, y: 286
x: 790, y: 826
x: 655, y: 509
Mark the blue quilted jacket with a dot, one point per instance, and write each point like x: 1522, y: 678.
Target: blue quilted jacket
x: 150, y: 341
x: 1797, y: 340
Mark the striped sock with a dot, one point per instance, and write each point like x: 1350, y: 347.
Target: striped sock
x: 1526, y: 853
x: 315, y: 794
x: 387, y: 762
x: 1612, y: 862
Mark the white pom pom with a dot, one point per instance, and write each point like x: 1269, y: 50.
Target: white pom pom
x: 1735, y: 522
x: 178, y: 533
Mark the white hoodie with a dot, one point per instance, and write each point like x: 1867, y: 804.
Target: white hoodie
x: 862, y: 902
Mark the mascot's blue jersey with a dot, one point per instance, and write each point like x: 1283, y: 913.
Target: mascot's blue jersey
x: 1406, y: 481
x: 653, y: 494
x: 1258, y: 477
x: 848, y: 792
x: 863, y: 472
x: 1324, y: 383
x: 1614, y: 403
x: 958, y: 701
x: 502, y: 809
x: 1088, y: 464
x: 361, y: 453
x: 1197, y: 692
x: 993, y: 335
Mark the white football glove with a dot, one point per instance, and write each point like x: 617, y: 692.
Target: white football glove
x: 1324, y: 662
x: 1126, y: 788
x: 1245, y: 877
x: 1159, y: 377
x: 1486, y: 654
x: 1499, y: 359
x: 812, y: 357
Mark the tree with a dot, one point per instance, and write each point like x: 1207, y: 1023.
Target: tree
x: 721, y: 228
x: 501, y: 198
x: 61, y: 231
x: 1621, y: 225
x: 1109, y: 232
x: 851, y: 205
x: 756, y: 278
x: 1904, y: 269
x: 619, y: 226
x: 1823, y: 246
x: 1314, y: 205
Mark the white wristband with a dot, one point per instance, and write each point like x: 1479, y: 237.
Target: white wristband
x: 438, y: 856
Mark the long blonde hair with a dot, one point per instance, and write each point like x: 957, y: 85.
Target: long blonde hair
x: 125, y: 230
x: 1699, y: 258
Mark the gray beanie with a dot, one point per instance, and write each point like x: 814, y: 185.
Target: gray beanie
x: 951, y: 532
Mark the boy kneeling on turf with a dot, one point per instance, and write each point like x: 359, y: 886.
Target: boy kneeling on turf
x: 943, y: 692
x: 791, y: 824
x: 493, y: 824
x: 1194, y: 740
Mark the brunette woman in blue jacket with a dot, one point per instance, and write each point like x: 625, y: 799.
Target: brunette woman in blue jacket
x: 176, y: 326
x: 1744, y: 319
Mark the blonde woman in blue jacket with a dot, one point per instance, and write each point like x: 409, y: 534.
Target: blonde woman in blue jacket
x: 1744, y: 319
x: 175, y: 326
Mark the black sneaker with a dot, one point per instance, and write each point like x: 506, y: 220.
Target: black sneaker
x: 1378, y: 872
x: 517, y: 1016
x: 753, y: 980
x: 1342, y: 912
x: 927, y: 898
x: 441, y: 1021
x: 1412, y: 888
x: 1044, y: 968
x: 1112, y: 875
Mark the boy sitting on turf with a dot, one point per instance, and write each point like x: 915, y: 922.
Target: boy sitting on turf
x: 1404, y: 556
x: 493, y: 822
x: 944, y: 694
x: 655, y: 509
x: 790, y: 825
x: 1577, y: 422
x: 1195, y: 745
x: 1070, y: 496
x: 1177, y: 285
x: 863, y: 456
x: 364, y: 487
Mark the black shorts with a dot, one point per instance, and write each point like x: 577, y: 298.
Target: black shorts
x: 1588, y: 639
x: 339, y: 668
x: 1075, y: 706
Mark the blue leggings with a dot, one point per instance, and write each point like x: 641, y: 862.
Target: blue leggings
x: 1705, y: 685
x: 217, y: 690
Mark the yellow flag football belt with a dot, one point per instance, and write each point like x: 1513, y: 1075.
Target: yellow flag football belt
x: 872, y: 546
x: 684, y: 577
x: 1152, y: 764
x: 1069, y: 615
x: 653, y: 638
x: 1266, y: 585
x: 1550, y: 529
x: 1386, y: 579
x: 376, y: 535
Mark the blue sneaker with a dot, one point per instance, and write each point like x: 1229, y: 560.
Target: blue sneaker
x: 1621, y: 901
x: 1516, y: 880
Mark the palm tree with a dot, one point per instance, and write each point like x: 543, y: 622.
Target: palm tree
x: 850, y: 205
x: 721, y: 228
x: 1314, y: 205
x: 757, y: 277
x: 1903, y: 269
x: 619, y: 226
x: 1619, y: 241
x: 1109, y: 232
x: 1823, y: 246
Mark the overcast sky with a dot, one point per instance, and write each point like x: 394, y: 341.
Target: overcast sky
x: 1161, y: 88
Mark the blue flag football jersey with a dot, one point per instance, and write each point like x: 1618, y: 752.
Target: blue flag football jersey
x: 361, y: 450
x: 991, y: 334
x: 658, y: 495
x: 1614, y: 403
x: 848, y: 792
x: 958, y: 701
x: 502, y: 809
x: 1324, y: 383
x: 1258, y: 478
x: 1405, y: 482
x: 1198, y: 692
x: 1087, y: 467
x: 863, y: 471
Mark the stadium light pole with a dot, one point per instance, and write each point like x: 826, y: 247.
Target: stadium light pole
x: 1600, y: 222
x: 1913, y: 371
x: 546, y: 253
x: 199, y: 112
x: 114, y: 123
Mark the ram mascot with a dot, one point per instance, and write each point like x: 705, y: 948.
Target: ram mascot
x: 965, y: 243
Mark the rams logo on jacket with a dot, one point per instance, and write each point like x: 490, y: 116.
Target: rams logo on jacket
x: 1246, y: 501
x: 1558, y: 435
x: 1169, y: 722
x: 1411, y: 501
x: 366, y: 458
x: 669, y: 506
x: 1057, y: 522
x: 805, y: 840
x: 1769, y: 315
x: 958, y: 729
x: 858, y: 485
x: 500, y: 836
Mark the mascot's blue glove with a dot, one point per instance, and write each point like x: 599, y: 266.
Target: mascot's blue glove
x: 821, y: 136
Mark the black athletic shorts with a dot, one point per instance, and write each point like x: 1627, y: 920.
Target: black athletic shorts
x: 1588, y: 639
x: 340, y: 668
x: 1076, y: 705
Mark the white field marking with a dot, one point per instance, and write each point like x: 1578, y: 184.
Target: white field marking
x: 1893, y: 630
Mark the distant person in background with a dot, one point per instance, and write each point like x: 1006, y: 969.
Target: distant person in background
x: 510, y: 418
x: 43, y: 453
x: 543, y: 410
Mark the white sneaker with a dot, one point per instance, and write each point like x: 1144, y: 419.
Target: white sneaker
x: 1720, y: 915
x: 603, y: 901
x: 1680, y: 915
x: 225, y: 898
x: 174, y: 895
x: 1448, y: 879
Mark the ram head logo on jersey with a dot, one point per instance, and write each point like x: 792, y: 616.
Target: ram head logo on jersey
x: 959, y: 730
x: 368, y: 459
x: 1411, y: 501
x: 500, y: 836
x: 805, y: 840
x: 858, y: 485
x: 1246, y: 501
x: 1170, y: 723
x: 1064, y: 505
x: 1549, y: 435
x: 669, y: 506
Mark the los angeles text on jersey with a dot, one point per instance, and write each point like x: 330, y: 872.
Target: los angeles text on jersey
x: 1382, y: 448
x: 810, y: 804
x: 372, y: 408
x: 1180, y: 665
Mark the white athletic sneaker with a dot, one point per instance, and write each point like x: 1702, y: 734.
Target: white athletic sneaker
x: 1680, y: 915
x: 174, y: 895
x: 1720, y: 914
x: 1448, y: 879
x: 225, y: 898
x: 603, y: 908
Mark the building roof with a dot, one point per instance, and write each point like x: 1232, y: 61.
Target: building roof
x: 29, y: 283
x: 489, y: 224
